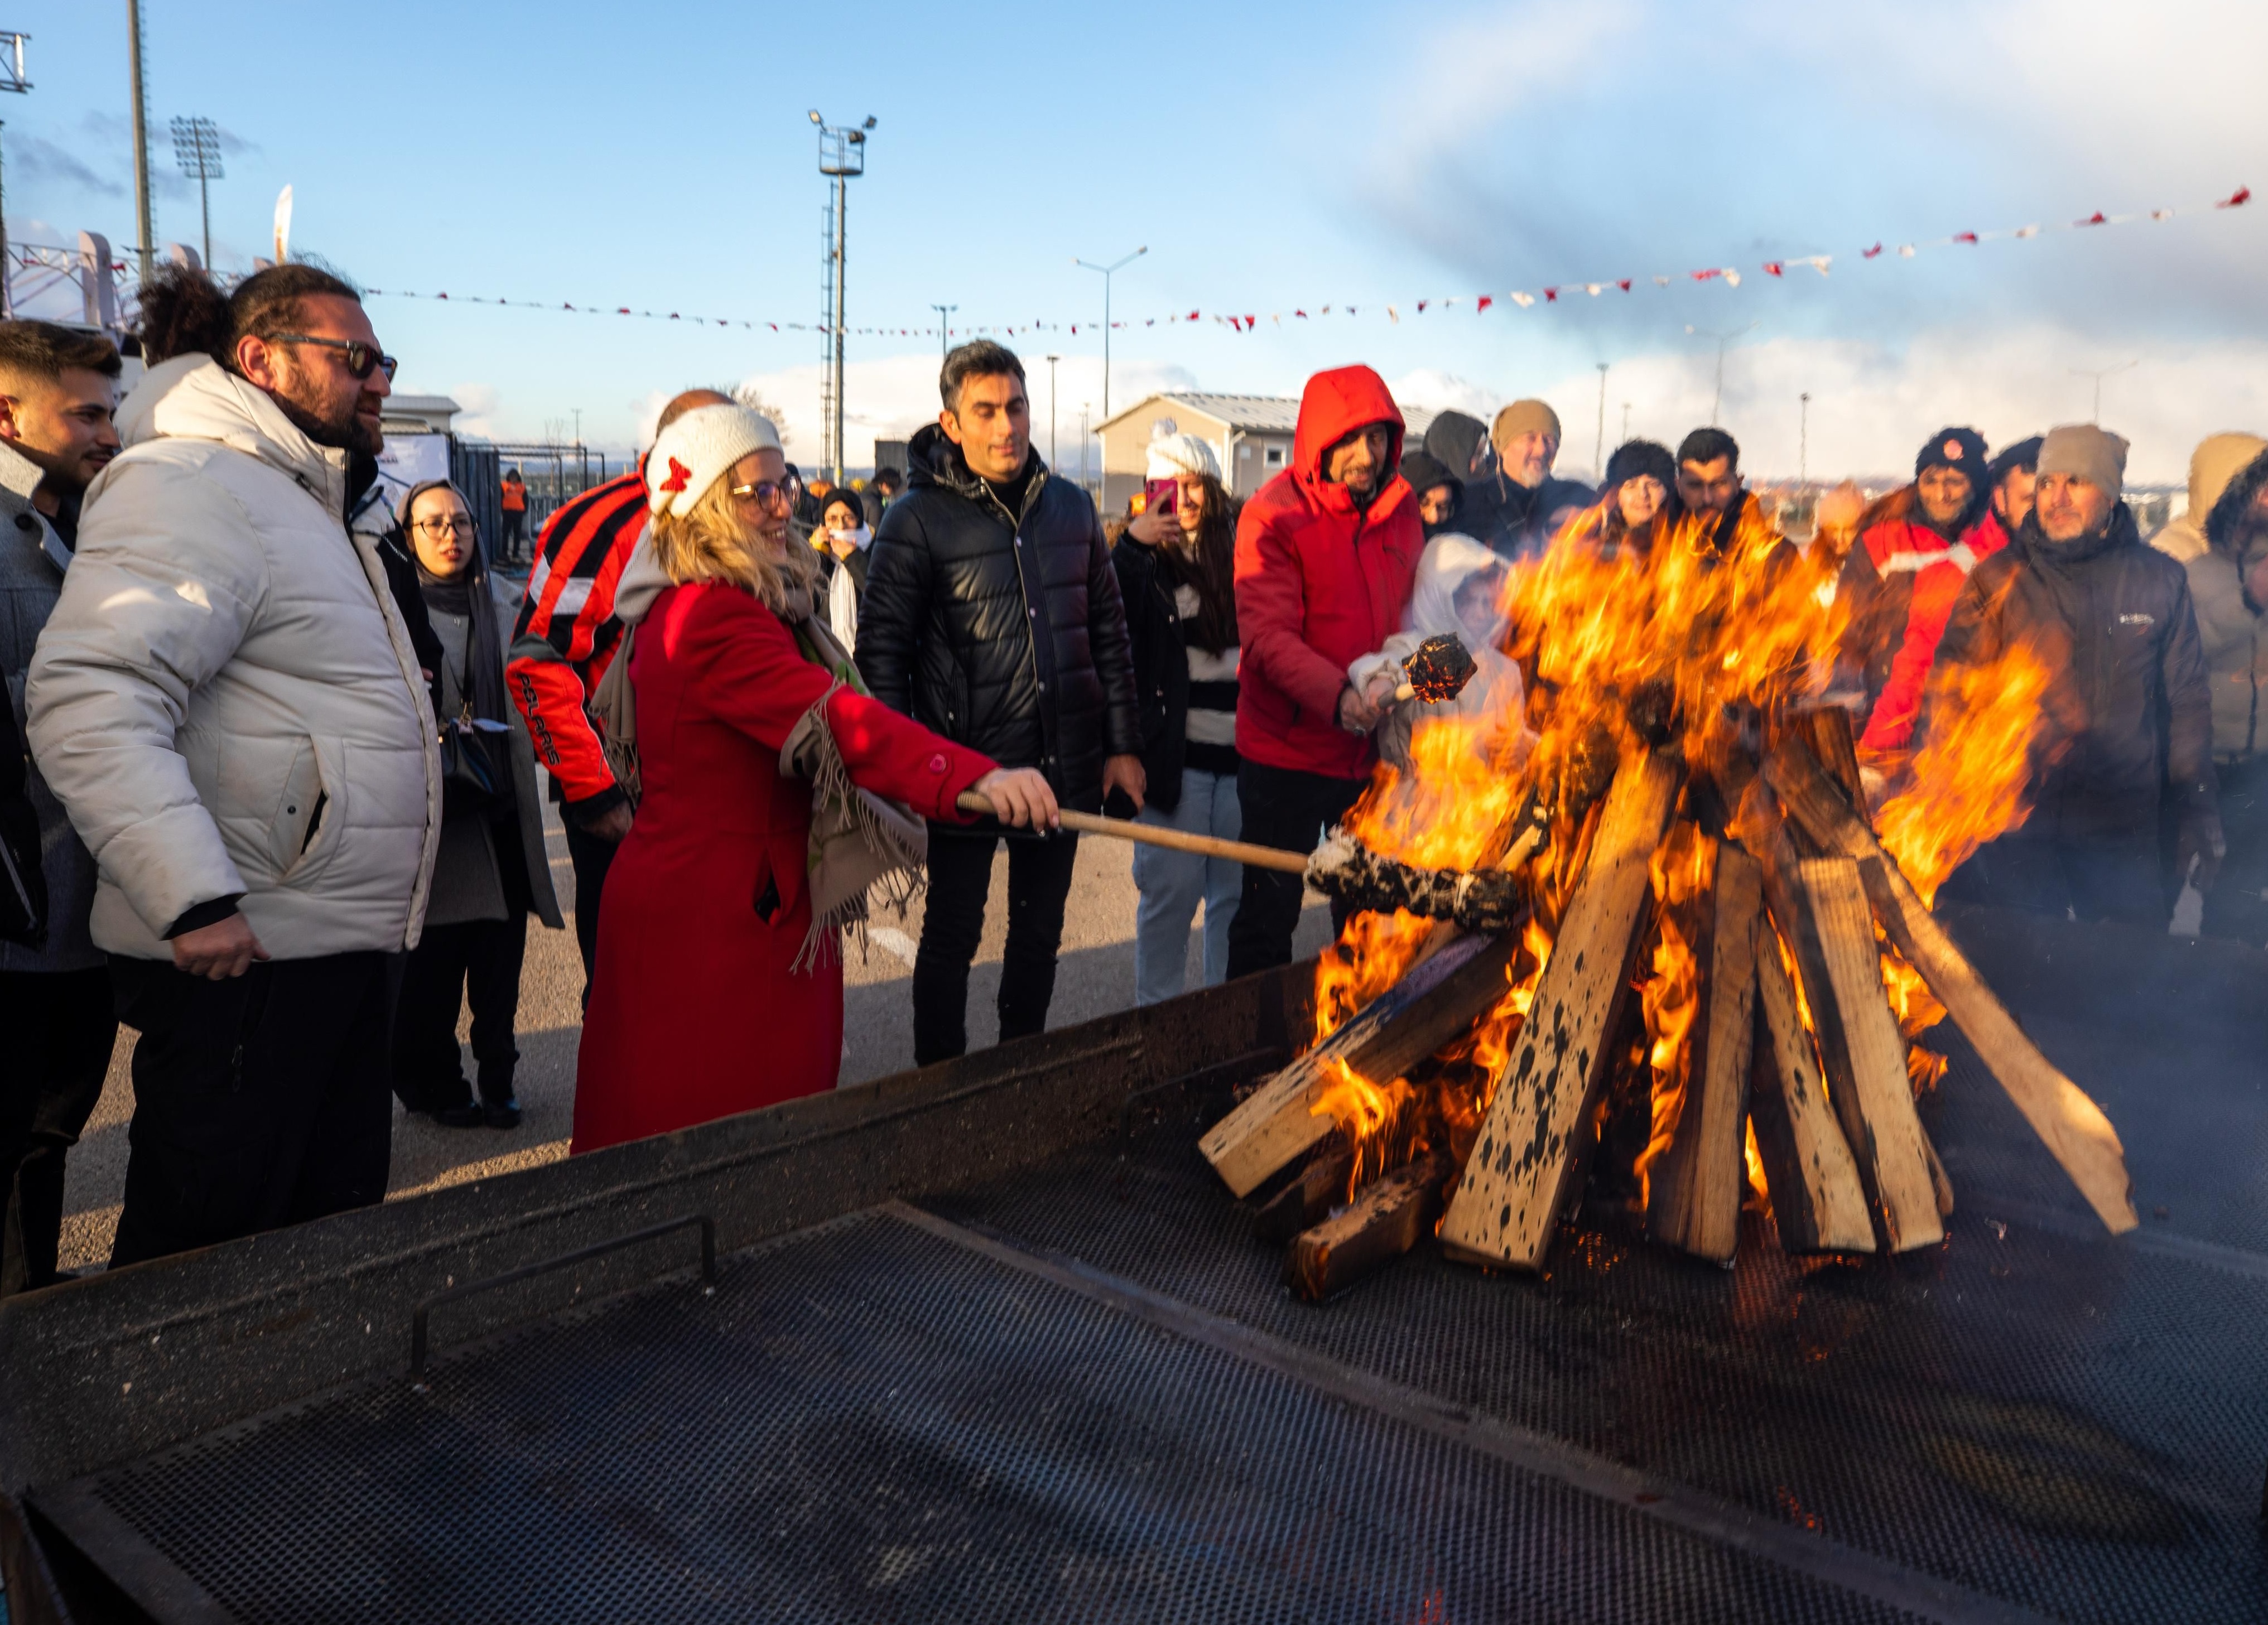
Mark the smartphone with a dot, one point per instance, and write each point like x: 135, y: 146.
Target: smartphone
x: 1159, y: 496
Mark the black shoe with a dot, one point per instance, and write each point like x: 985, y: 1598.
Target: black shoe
x: 502, y: 1114
x: 469, y: 1115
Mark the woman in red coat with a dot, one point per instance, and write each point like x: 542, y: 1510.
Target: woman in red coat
x: 713, y: 994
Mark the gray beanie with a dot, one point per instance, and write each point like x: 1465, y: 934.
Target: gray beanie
x: 2085, y: 452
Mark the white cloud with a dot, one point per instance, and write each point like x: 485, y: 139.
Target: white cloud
x: 1872, y: 403
x: 479, y: 408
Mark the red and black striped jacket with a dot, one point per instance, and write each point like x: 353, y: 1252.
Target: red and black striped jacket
x: 567, y: 634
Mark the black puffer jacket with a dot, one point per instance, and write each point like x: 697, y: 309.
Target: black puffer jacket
x: 1512, y: 520
x: 1001, y: 632
x: 2128, y: 713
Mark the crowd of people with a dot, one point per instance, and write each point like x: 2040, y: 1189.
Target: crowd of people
x: 268, y: 788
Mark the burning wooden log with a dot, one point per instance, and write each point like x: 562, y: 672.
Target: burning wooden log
x: 2073, y: 1127
x: 1484, y: 899
x: 1387, y: 1218
x: 1276, y: 1124
x: 1816, y: 1202
x: 1309, y: 1196
x: 1537, y: 1135
x: 1694, y: 1188
x: 1832, y: 934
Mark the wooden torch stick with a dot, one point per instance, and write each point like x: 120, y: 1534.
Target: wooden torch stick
x: 1151, y: 835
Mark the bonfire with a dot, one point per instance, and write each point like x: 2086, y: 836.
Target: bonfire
x: 1725, y: 961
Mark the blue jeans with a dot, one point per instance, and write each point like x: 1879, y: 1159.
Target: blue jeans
x: 1173, y: 884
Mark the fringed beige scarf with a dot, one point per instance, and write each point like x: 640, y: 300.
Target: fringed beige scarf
x: 859, y: 840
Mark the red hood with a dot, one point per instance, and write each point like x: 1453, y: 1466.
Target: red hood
x: 1333, y: 405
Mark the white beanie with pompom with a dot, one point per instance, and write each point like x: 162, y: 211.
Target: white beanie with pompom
x: 1173, y: 454
x: 693, y: 454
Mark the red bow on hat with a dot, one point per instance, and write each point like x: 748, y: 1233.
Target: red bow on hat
x: 679, y: 475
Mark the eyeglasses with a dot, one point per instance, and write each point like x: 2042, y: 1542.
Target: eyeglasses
x: 453, y: 523
x: 361, y: 357
x: 777, y: 494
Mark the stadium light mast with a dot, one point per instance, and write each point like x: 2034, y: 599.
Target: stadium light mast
x: 196, y: 149
x: 842, y: 156
x: 11, y: 78
x: 944, y: 329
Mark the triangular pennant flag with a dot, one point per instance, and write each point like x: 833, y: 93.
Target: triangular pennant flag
x: 2096, y: 219
x: 1773, y: 268
x: 1964, y: 237
x: 1872, y: 252
x: 1624, y: 283
x: 1483, y: 303
x: 1523, y: 300
x: 1552, y: 296
x: 1393, y: 315
x: 2236, y: 199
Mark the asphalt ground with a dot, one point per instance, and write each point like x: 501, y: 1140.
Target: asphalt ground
x: 1095, y: 976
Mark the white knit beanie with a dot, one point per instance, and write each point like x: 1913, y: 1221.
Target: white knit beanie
x: 693, y: 452
x: 1172, y: 454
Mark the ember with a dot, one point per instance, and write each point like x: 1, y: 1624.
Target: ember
x: 1680, y: 811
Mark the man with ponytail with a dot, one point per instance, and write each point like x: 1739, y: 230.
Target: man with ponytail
x: 229, y: 704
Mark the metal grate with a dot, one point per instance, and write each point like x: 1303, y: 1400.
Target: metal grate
x: 870, y: 1423
x: 2073, y: 1424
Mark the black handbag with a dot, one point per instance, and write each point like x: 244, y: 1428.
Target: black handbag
x: 475, y: 765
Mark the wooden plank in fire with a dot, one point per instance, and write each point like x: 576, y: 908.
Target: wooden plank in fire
x: 1816, y: 1201
x: 1695, y: 1188
x: 1833, y: 934
x: 1538, y: 1135
x: 2072, y: 1126
x: 1387, y: 1218
x: 1274, y: 1126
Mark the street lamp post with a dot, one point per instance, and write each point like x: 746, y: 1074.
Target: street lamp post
x: 1598, y: 445
x: 2098, y: 374
x: 1051, y: 411
x: 1107, y: 271
x: 1716, y: 406
x: 843, y: 155
x: 141, y: 140
x: 944, y: 329
x: 196, y: 149
x: 1803, y: 442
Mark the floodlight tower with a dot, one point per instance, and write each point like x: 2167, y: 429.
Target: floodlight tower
x: 196, y: 149
x: 842, y: 155
x: 11, y: 78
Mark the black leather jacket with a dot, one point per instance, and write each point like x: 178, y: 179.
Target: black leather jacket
x: 1003, y: 632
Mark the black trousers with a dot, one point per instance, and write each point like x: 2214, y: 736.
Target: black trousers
x: 477, y: 963
x: 952, y: 922
x: 57, y: 1030
x: 258, y: 1101
x: 2065, y: 880
x: 1287, y: 809
x: 592, y: 856
x: 2237, y: 906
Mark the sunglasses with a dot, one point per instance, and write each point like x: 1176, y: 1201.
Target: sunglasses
x: 362, y: 358
x: 777, y: 494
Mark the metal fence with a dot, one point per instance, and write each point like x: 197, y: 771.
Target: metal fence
x: 555, y: 475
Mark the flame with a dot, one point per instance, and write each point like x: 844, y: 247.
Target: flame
x: 1684, y: 873
x: 1758, y: 1187
x: 1372, y: 1117
x: 1969, y: 781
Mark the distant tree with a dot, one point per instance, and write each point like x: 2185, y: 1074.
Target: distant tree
x: 749, y: 396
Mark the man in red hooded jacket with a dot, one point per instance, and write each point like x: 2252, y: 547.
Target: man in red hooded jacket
x: 1326, y: 553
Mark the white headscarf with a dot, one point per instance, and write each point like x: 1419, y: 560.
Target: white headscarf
x: 1449, y: 561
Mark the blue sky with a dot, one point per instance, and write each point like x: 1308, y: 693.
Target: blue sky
x: 1272, y: 157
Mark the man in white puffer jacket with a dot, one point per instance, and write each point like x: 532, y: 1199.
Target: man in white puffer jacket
x: 227, y: 702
